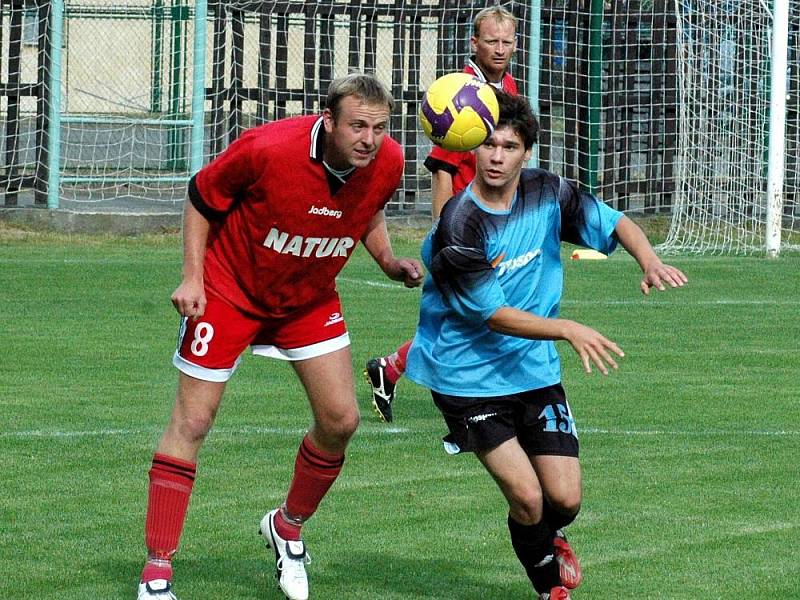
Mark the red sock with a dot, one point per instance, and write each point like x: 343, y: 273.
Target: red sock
x: 156, y: 569
x: 314, y: 474
x: 397, y: 362
x: 288, y: 530
x: 171, y: 481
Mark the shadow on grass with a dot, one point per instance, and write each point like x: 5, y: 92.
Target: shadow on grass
x: 382, y: 575
x: 351, y: 576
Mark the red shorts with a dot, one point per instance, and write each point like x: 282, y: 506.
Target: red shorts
x: 209, y: 347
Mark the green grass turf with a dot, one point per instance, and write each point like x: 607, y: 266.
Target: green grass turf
x: 690, y: 451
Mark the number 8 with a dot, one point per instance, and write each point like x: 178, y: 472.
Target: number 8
x: 202, y: 336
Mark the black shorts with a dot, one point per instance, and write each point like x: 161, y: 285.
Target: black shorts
x: 540, y: 419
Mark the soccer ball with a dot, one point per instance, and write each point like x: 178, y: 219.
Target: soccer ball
x: 459, y: 112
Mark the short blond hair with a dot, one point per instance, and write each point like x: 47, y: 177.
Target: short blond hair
x: 365, y: 87
x: 498, y: 13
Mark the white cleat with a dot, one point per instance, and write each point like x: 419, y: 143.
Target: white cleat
x: 290, y: 559
x: 158, y: 589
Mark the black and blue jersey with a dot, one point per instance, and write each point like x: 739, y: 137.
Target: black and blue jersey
x: 480, y: 260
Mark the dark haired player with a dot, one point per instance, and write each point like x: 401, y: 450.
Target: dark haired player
x: 493, y: 44
x: 269, y: 225
x: 488, y: 317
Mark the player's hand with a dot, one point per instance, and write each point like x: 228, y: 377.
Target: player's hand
x: 592, y: 347
x: 189, y: 299
x: 659, y: 275
x: 409, y: 271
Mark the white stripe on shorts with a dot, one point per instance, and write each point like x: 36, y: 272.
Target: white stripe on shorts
x: 312, y: 351
x: 204, y: 373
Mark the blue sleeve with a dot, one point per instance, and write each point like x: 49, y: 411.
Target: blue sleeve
x: 463, y: 274
x: 600, y: 220
x: 585, y: 220
x: 467, y: 282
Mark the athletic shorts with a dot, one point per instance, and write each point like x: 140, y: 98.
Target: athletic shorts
x: 210, y: 347
x: 540, y: 419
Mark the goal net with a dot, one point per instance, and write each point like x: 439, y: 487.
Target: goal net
x: 724, y: 107
x: 115, y: 125
x: 124, y: 98
x: 608, y: 99
x: 660, y: 107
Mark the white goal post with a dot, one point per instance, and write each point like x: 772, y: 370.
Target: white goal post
x: 777, y: 127
x: 733, y: 193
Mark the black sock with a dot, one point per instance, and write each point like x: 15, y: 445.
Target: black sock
x: 555, y: 518
x: 533, y: 545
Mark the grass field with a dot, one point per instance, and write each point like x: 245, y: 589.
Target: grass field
x: 691, y: 451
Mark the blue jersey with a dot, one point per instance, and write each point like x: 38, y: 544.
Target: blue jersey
x: 480, y: 260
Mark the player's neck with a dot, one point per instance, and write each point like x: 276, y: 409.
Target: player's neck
x: 496, y: 197
x: 491, y: 75
x: 335, y: 162
x: 340, y: 173
x: 496, y: 79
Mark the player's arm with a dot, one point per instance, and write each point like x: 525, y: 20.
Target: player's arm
x: 656, y: 273
x: 467, y: 281
x: 443, y: 165
x: 376, y: 241
x: 590, y: 345
x: 212, y: 192
x: 441, y: 191
x: 189, y: 298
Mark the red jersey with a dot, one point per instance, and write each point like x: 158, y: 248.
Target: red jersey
x: 461, y: 165
x: 278, y: 236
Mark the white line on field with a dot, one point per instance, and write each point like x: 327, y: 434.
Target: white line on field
x: 681, y: 301
x: 671, y: 432
x: 371, y: 283
x: 125, y: 261
x: 217, y: 431
x: 654, y: 298
x: 721, y: 534
x: 633, y: 302
x: 373, y: 431
x: 82, y: 261
x: 51, y: 433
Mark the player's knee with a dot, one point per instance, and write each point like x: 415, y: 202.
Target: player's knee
x: 349, y: 425
x: 346, y: 427
x: 340, y: 428
x: 526, y: 505
x: 194, y: 428
x: 567, y: 507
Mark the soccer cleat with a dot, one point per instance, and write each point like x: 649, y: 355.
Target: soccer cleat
x: 158, y: 589
x: 290, y: 559
x: 382, y: 388
x: 557, y: 593
x: 569, y: 569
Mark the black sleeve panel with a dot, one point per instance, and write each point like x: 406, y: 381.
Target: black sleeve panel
x: 197, y: 201
x: 434, y: 164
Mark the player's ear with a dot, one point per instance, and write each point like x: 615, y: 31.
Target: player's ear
x: 473, y: 44
x: 527, y: 156
x: 327, y: 120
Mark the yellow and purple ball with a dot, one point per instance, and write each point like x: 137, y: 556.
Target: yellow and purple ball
x: 459, y: 112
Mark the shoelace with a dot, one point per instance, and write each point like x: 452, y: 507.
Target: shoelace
x: 294, y: 568
x: 297, y: 560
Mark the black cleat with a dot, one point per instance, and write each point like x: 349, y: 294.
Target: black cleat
x: 382, y: 389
